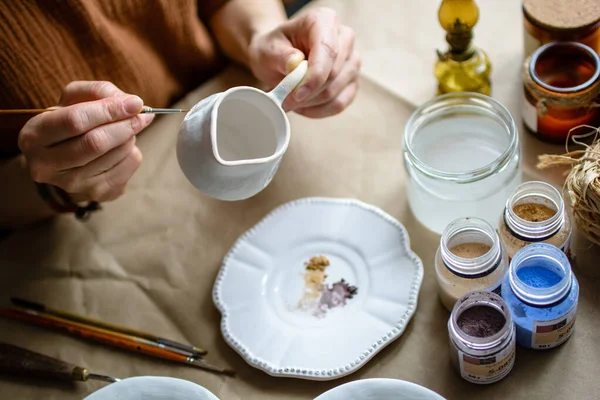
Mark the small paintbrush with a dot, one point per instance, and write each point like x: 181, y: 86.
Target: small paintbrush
x: 30, y: 305
x: 135, y: 344
x: 145, y: 110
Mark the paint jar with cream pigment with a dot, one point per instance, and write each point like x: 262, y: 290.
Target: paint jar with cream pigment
x: 542, y: 293
x: 535, y: 212
x: 482, y: 337
x: 462, y: 157
x: 470, y: 257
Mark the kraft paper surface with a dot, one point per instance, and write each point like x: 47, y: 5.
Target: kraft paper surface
x: 149, y: 259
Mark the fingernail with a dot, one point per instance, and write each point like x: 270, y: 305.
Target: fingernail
x: 302, y: 93
x: 147, y: 118
x: 133, y: 104
x: 293, y: 61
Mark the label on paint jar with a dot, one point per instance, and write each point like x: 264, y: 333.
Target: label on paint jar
x: 529, y: 114
x: 487, y: 369
x: 549, y: 334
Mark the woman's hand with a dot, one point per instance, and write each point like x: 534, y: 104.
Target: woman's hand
x: 86, y: 146
x: 331, y: 82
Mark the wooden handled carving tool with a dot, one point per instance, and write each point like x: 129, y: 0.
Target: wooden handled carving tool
x: 15, y: 360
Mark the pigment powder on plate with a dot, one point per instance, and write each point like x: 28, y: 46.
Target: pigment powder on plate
x: 481, y: 321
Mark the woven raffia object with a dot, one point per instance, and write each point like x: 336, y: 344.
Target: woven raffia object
x: 582, y: 185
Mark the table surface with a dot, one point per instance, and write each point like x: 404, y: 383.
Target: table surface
x: 149, y: 259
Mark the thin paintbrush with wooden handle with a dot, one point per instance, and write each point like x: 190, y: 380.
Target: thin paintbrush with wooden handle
x: 145, y: 110
x: 134, y: 344
x: 30, y: 305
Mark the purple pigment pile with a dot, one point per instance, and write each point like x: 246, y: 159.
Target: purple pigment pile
x: 481, y: 321
x: 538, y: 277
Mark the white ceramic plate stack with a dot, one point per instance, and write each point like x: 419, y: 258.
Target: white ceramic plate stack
x: 262, y: 281
x: 152, y: 388
x: 380, y: 389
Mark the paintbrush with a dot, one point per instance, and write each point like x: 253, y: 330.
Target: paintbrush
x: 114, y: 339
x: 145, y: 110
x: 30, y: 305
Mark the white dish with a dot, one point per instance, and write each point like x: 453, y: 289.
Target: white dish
x: 380, y: 389
x: 262, y: 280
x: 152, y: 388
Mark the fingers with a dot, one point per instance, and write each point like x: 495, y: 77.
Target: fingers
x: 333, y: 67
x: 114, y: 181
x: 50, y: 128
x: 346, y: 48
x: 334, y: 106
x: 111, y: 184
x: 83, y: 149
x: 348, y: 75
x: 83, y: 91
x: 319, y: 30
x: 76, y: 180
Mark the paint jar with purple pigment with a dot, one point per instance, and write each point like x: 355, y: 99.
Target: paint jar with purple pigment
x: 542, y: 293
x: 470, y: 257
x: 482, y: 337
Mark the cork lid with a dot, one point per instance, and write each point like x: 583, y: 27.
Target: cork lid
x: 563, y: 14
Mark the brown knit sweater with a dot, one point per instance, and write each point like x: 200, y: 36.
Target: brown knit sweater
x: 157, y: 49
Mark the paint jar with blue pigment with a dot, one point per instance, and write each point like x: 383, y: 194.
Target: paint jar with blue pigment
x: 542, y: 293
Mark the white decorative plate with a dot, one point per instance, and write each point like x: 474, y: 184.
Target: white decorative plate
x: 152, y: 388
x: 380, y: 389
x: 262, y: 281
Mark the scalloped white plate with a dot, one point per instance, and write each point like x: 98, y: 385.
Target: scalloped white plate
x: 262, y: 280
x: 380, y: 389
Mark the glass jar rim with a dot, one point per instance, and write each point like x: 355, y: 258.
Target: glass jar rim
x: 487, y: 299
x: 580, y: 46
x: 441, y: 104
x: 540, y: 297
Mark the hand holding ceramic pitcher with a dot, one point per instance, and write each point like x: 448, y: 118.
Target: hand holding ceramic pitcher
x: 231, y: 143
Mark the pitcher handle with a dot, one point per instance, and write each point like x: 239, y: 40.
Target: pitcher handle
x: 289, y: 83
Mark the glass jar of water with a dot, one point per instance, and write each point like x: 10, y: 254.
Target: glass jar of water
x: 462, y: 156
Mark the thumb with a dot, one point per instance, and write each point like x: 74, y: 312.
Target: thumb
x: 283, y: 56
x: 293, y: 61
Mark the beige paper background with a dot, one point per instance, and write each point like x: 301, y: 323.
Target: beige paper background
x: 149, y: 259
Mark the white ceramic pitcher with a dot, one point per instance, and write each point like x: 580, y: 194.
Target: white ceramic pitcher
x: 231, y: 143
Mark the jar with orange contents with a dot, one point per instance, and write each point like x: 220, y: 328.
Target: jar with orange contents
x: 562, y: 90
